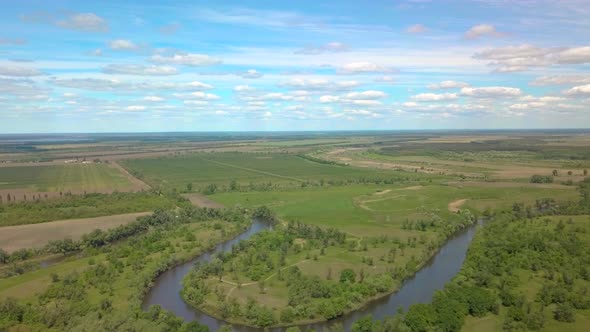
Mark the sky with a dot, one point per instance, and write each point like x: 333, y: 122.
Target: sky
x: 143, y: 66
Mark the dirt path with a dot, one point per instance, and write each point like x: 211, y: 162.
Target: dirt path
x: 255, y: 170
x: 255, y: 282
x: 383, y: 192
x: 38, y: 235
x: 455, y: 206
x: 136, y: 183
x: 202, y: 201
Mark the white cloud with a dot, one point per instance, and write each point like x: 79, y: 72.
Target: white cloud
x: 370, y: 94
x: 127, y: 69
x: 481, y: 30
x: 416, y: 28
x: 198, y: 95
x: 561, y: 80
x: 251, y: 74
x: 98, y: 84
x: 153, y: 98
x: 490, y: 92
x: 18, y: 71
x: 135, y: 108
x: 523, y: 57
x: 243, y: 88
x: 448, y: 85
x: 330, y: 47
x: 123, y: 45
x: 329, y: 99
x: 69, y: 95
x: 385, y: 79
x: 186, y: 59
x: 362, y: 67
x: 576, y: 55
x: 89, y: 22
x: 582, y: 90
x: 434, y: 97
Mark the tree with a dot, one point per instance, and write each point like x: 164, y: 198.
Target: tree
x: 189, y: 187
x: 585, y: 172
x: 564, y: 313
x: 420, y: 317
x: 261, y: 286
x: 347, y: 276
x: 555, y: 172
x: 4, y: 256
x: 364, y: 324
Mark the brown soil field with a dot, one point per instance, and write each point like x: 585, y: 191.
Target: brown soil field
x: 202, y: 201
x: 38, y: 235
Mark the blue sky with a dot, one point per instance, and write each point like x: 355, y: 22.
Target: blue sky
x: 112, y: 66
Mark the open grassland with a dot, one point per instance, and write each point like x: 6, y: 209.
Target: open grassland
x: 245, y: 168
x: 55, y: 178
x: 38, y: 235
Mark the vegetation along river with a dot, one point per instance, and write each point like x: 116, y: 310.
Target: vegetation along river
x: 445, y: 264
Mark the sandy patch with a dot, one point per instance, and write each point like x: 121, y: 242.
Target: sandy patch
x: 455, y: 206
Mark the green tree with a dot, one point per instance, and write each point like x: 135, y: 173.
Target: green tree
x: 564, y: 312
x: 347, y: 276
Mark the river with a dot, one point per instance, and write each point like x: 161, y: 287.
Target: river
x: 443, y: 266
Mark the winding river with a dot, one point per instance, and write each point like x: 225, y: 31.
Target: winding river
x: 419, y: 289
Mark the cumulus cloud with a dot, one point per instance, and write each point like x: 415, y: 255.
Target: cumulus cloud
x: 98, y: 84
x: 243, y: 88
x: 123, y: 45
x: 364, y: 95
x: 95, y: 52
x: 127, y: 69
x: 135, y: 108
x: 331, y: 47
x: 490, y: 92
x: 385, y: 79
x: 416, y: 28
x: 362, y: 67
x: 561, y: 80
x: 186, y: 59
x: 329, y: 99
x: 89, y: 22
x: 18, y: 71
x: 523, y: 57
x: 198, y: 95
x: 318, y: 84
x: 153, y: 98
x: 481, y: 30
x: 434, y: 97
x: 251, y: 74
x: 448, y: 85
x: 581, y: 90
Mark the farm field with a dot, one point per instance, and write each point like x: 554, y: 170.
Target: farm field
x: 38, y: 235
x: 245, y: 168
x: 55, y: 178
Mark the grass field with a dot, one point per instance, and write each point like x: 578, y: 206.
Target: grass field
x: 55, y: 178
